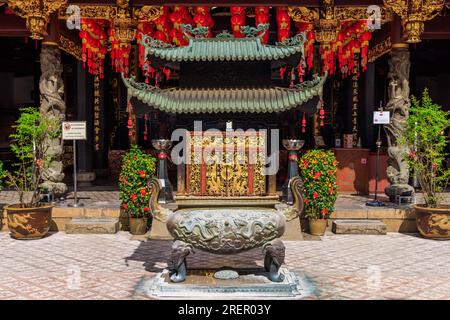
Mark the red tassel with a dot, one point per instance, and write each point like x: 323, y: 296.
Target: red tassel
x: 304, y: 123
x: 145, y: 127
x: 130, y: 119
x: 282, y: 71
x: 321, y: 114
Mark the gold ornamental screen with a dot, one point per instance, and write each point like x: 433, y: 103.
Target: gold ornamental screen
x: 226, y: 164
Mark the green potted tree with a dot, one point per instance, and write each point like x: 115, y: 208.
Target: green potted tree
x: 424, y: 135
x: 137, y: 170
x: 30, y: 218
x: 318, y: 172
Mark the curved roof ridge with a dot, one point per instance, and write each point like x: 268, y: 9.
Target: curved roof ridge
x: 242, y: 49
x: 239, y: 99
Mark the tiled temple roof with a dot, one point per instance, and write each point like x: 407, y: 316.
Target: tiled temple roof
x: 218, y: 100
x: 225, y: 48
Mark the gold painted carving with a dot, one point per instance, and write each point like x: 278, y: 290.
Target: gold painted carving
x: 380, y: 49
x: 148, y: 13
x: 226, y: 173
x: 92, y: 12
x: 36, y: 13
x: 360, y: 13
x: 414, y: 13
x: 303, y: 14
x: 70, y: 47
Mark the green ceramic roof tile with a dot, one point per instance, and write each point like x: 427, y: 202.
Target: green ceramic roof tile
x: 224, y: 49
x: 217, y: 100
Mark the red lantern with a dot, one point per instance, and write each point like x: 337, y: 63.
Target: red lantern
x: 283, y: 23
x: 321, y: 113
x: 240, y: 11
x: 303, y: 123
x: 93, y: 39
x: 237, y: 21
x: 262, y: 17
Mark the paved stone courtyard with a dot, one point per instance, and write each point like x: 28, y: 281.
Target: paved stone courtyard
x: 61, y: 266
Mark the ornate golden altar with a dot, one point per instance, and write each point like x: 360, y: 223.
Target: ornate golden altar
x: 225, y: 165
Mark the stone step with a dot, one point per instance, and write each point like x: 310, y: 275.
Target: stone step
x: 92, y: 226
x: 359, y: 227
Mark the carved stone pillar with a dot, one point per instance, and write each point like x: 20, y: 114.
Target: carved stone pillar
x: 52, y: 105
x: 398, y: 105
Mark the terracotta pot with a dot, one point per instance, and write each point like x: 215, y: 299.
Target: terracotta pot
x: 433, y: 223
x: 138, y: 226
x: 317, y: 227
x: 29, y: 223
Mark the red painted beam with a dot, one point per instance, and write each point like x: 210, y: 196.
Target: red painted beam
x: 12, y: 26
x: 226, y: 3
x: 438, y: 28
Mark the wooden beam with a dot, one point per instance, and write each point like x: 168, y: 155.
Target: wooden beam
x: 12, y: 26
x: 438, y: 28
x: 226, y: 3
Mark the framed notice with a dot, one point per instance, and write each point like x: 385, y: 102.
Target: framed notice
x: 74, y: 130
x: 381, y: 117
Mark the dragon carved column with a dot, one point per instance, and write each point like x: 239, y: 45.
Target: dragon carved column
x: 398, y: 106
x: 51, y: 89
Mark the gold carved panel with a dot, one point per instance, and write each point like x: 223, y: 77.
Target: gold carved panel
x: 226, y: 166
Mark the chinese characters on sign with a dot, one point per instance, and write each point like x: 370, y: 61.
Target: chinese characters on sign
x: 96, y: 113
x: 74, y: 130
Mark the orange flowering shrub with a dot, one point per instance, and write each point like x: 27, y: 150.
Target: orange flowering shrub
x: 318, y: 172
x: 137, y: 169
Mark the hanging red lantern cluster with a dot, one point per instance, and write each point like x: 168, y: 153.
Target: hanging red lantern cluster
x: 163, y: 26
x: 143, y: 28
x: 203, y: 18
x: 237, y: 21
x: 308, y: 28
x: 283, y: 23
x: 365, y: 38
x: 353, y: 38
x: 120, y: 53
x: 262, y: 17
x: 180, y: 15
x: 93, y: 39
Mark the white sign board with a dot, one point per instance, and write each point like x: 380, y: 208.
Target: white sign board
x: 381, y: 117
x: 74, y: 130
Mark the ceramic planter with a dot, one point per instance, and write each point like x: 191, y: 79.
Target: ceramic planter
x: 433, y: 223
x: 29, y: 223
x: 138, y: 226
x: 317, y: 227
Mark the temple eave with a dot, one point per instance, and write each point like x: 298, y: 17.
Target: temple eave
x: 225, y: 100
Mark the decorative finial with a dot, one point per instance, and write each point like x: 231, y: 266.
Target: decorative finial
x: 252, y: 32
x: 199, y: 32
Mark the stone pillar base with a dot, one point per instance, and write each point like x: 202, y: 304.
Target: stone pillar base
x: 85, y: 179
x: 159, y: 231
x: 398, y: 190
x: 58, y: 189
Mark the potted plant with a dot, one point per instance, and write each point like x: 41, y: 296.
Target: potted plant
x: 30, y: 218
x: 425, y: 139
x: 137, y: 169
x: 318, y: 172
